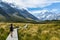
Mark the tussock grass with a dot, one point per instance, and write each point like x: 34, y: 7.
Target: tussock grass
x: 40, y: 32
x: 33, y: 31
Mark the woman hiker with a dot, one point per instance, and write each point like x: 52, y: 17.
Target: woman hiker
x: 11, y: 30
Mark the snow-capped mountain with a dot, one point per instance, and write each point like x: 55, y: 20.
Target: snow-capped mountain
x: 47, y: 15
x: 14, y: 11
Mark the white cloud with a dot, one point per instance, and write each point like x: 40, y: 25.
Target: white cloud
x: 32, y: 3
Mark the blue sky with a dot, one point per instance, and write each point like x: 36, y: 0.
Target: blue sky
x: 54, y: 7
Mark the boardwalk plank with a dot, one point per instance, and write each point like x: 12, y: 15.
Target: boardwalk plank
x: 15, y: 35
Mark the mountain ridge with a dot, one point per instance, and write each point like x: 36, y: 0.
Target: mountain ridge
x: 14, y: 14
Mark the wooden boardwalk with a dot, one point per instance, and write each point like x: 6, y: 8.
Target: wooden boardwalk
x: 15, y: 35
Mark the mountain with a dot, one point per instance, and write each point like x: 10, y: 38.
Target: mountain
x: 9, y: 13
x: 48, y: 16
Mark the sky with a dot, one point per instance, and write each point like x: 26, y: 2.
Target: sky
x: 37, y: 6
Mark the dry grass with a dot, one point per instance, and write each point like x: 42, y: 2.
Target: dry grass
x: 40, y: 32
x: 33, y: 31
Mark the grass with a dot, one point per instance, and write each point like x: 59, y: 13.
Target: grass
x: 47, y: 31
x: 4, y: 31
x: 40, y: 32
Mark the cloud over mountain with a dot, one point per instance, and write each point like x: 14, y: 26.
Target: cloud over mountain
x: 31, y: 3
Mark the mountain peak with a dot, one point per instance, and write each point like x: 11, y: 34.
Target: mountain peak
x: 47, y: 15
